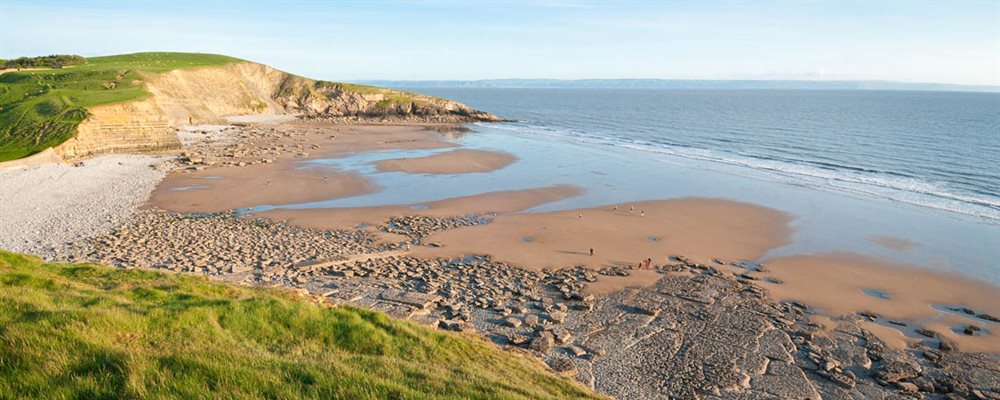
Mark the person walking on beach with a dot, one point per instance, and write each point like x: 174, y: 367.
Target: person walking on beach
x: 642, y: 213
x: 631, y: 208
x: 591, y: 251
x: 616, y: 208
x: 647, y: 262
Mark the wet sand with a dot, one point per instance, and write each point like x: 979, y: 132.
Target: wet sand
x: 286, y: 178
x: 460, y: 161
x: 493, y: 202
x: 892, y: 242
x: 349, y: 139
x: 700, y: 229
x: 227, y: 188
x: 836, y: 284
x: 639, y: 278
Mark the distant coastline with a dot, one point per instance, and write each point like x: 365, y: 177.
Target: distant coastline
x: 682, y: 84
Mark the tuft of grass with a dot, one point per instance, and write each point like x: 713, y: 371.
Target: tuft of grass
x: 89, y: 331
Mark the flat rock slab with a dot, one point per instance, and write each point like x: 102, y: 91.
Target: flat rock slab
x: 786, y: 381
x: 393, y: 309
x: 776, y: 345
x: 309, y: 265
x: 416, y: 299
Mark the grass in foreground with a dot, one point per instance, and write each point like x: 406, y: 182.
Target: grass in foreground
x: 89, y: 331
x: 41, y: 109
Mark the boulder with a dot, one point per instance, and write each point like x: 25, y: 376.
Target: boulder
x: 577, y: 351
x: 517, y: 340
x: 563, y: 366
x: 557, y: 317
x: 562, y: 336
x: 894, y: 371
x: 543, y: 343
x: 512, y: 322
x: 907, y: 387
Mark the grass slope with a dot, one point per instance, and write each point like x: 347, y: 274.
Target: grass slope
x: 88, y: 331
x: 41, y: 108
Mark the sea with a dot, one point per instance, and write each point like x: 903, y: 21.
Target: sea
x: 850, y: 165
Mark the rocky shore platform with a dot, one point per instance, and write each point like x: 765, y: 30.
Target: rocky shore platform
x: 701, y: 331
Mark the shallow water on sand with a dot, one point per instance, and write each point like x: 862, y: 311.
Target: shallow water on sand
x: 825, y: 220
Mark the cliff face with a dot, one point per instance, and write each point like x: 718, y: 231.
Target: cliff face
x: 206, y: 95
x: 130, y: 127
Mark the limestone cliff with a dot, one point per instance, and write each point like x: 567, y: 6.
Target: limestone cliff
x: 206, y: 95
x: 139, y: 126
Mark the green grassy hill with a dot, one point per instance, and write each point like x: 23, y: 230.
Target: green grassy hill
x: 41, y: 108
x: 88, y: 331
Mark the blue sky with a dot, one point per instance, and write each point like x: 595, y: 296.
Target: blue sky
x: 917, y: 41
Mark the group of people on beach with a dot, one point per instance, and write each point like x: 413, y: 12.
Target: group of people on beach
x: 642, y: 213
x: 648, y: 261
x: 631, y: 209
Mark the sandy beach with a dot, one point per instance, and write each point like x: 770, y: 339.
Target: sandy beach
x: 487, y: 203
x: 275, y: 170
x: 460, y: 161
x: 847, y: 283
x: 700, y: 229
x: 222, y: 189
